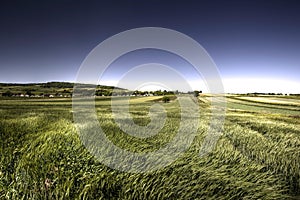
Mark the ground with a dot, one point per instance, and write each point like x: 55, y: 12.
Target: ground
x: 256, y: 157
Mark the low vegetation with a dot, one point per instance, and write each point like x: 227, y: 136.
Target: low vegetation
x: 256, y: 157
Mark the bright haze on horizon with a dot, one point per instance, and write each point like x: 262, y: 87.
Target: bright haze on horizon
x: 254, y: 44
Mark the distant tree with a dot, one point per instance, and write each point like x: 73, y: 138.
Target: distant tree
x: 98, y: 93
x: 107, y: 93
x: 28, y: 92
x: 8, y: 93
x: 158, y: 93
x: 196, y: 93
x: 166, y: 99
x: 170, y: 92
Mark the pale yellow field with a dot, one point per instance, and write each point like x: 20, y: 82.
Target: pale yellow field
x: 273, y: 100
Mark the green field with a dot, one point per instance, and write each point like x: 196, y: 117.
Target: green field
x: 256, y: 157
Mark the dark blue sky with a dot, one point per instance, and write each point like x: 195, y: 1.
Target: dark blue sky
x: 248, y: 40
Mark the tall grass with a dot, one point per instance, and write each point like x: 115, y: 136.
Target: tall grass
x: 42, y: 156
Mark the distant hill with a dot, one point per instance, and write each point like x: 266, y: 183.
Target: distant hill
x: 65, y: 89
x: 50, y: 89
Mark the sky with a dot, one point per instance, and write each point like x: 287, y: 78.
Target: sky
x: 254, y: 44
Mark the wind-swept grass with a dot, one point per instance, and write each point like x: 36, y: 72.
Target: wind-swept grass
x: 42, y: 157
